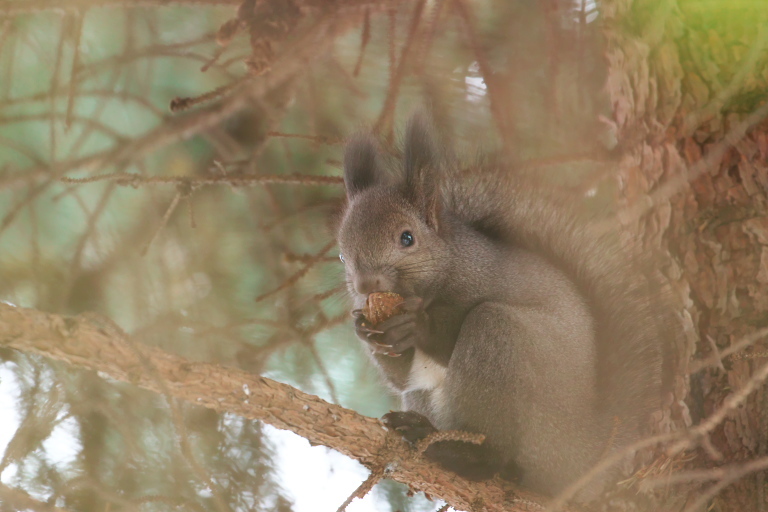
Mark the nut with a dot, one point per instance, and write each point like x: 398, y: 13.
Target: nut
x: 382, y: 306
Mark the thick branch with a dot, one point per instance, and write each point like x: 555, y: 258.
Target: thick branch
x: 88, y: 342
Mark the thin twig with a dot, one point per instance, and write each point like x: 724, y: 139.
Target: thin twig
x: 729, y: 404
x: 320, y: 139
x: 731, y: 476
x: 13, y: 7
x: 364, y: 488
x: 298, y: 275
x: 183, y: 103
x: 396, y: 74
x: 364, y: 38
x: 695, y: 434
x: 494, y: 96
x: 134, y: 180
x: 163, y: 221
x: 72, y: 92
x: 716, y: 357
x: 323, y: 371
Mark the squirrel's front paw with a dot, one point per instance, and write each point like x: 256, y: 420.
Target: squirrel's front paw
x: 472, y: 461
x: 409, y: 424
x: 397, y: 334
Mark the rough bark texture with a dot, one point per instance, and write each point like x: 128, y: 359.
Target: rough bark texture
x: 97, y: 344
x: 685, y: 78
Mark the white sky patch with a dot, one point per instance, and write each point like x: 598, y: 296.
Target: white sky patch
x: 589, y: 7
x: 317, y: 478
x: 63, y: 445
x: 476, y: 88
x: 475, y: 84
x: 9, y: 417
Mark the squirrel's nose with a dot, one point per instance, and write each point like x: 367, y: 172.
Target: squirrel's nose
x: 372, y: 283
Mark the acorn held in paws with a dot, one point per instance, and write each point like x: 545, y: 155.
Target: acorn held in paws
x: 382, y: 306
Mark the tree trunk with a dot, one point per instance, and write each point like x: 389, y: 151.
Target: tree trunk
x: 687, y: 82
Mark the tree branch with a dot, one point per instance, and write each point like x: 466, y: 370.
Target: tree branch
x: 92, y: 342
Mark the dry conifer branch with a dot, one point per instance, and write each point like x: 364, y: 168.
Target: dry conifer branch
x: 291, y: 60
x: 364, y: 488
x: 124, y: 96
x: 180, y: 104
x: 238, y: 180
x: 168, y: 212
x: 13, y: 7
x: 83, y: 342
x: 301, y: 273
x: 320, y: 139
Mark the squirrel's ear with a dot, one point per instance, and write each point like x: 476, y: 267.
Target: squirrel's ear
x: 422, y: 168
x: 361, y: 169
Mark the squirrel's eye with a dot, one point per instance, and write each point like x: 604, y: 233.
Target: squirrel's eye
x: 341, y: 257
x: 406, y: 239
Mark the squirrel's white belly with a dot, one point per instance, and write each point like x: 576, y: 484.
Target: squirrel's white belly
x: 428, y: 375
x: 425, y: 373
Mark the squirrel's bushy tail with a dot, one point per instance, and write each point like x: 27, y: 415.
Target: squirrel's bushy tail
x: 635, y: 335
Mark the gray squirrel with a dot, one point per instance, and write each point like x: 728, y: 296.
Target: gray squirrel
x: 518, y: 322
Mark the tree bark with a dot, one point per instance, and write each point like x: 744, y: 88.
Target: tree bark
x: 688, y: 81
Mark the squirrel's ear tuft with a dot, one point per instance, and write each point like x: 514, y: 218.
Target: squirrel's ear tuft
x: 360, y: 166
x: 420, y: 153
x: 421, y: 160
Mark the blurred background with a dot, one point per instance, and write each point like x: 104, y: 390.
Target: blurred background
x: 207, y: 229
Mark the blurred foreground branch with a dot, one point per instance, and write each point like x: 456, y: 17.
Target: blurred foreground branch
x: 95, y: 343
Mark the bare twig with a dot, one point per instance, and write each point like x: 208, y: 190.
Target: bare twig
x: 301, y: 273
x: 384, y: 121
x: 13, y: 7
x: 729, y: 404
x: 168, y: 212
x: 717, y: 356
x: 730, y: 476
x: 364, y: 488
x: 239, y: 180
x: 494, y: 92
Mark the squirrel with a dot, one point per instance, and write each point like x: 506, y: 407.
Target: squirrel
x: 519, y: 321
